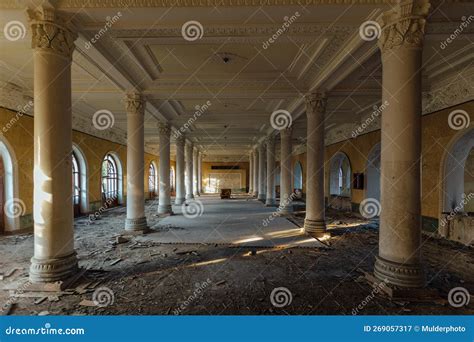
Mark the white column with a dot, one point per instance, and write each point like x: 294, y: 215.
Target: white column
x: 54, y: 256
x: 270, y: 199
x: 401, y: 44
x: 261, y: 172
x: 180, y: 186
x: 195, y: 171
x: 136, y: 220
x: 164, y: 202
x: 188, y: 156
x: 255, y: 173
x: 286, y: 191
x: 250, y: 173
x: 314, y: 223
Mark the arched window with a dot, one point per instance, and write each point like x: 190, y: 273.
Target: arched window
x: 373, y: 173
x: 9, y: 196
x: 340, y: 175
x: 152, y: 180
x: 110, y: 181
x: 76, y: 185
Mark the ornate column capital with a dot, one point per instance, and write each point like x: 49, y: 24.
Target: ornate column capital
x: 270, y: 140
x: 164, y: 128
x: 180, y: 141
x: 404, y: 25
x: 51, y: 32
x: 315, y: 102
x: 135, y: 104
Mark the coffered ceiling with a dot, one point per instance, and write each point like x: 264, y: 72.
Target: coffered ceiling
x: 247, y: 59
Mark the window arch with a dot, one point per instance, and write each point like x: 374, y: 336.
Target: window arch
x: 9, y: 188
x: 152, y: 180
x: 111, y: 172
x: 373, y: 173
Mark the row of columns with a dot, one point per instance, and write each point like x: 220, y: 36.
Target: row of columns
x: 398, y: 261
x: 54, y: 256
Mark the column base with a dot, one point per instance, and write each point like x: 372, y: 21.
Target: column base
x: 315, y: 228
x: 405, y: 275
x: 189, y: 197
x: 179, y: 201
x: 285, y: 210
x: 136, y: 224
x: 54, y: 269
x: 270, y: 202
x: 165, y: 210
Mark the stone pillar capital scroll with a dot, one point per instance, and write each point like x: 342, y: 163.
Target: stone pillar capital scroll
x: 52, y: 32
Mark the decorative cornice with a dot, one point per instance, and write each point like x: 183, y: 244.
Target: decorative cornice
x: 51, y: 32
x: 404, y: 25
x: 315, y: 103
x: 135, y: 104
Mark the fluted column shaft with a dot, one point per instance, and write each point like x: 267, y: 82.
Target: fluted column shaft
x: 255, y: 173
x: 164, y: 202
x: 270, y: 200
x: 195, y: 171
x: 261, y: 172
x: 401, y: 44
x: 314, y: 223
x: 188, y: 156
x: 180, y: 166
x: 54, y: 256
x: 286, y: 190
x: 136, y: 220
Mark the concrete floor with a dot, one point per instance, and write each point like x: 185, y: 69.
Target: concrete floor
x: 241, y: 221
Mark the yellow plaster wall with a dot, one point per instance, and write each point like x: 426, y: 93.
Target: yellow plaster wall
x: 17, y: 131
x: 243, y: 171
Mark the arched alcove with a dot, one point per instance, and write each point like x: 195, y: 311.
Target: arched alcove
x: 10, y: 186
